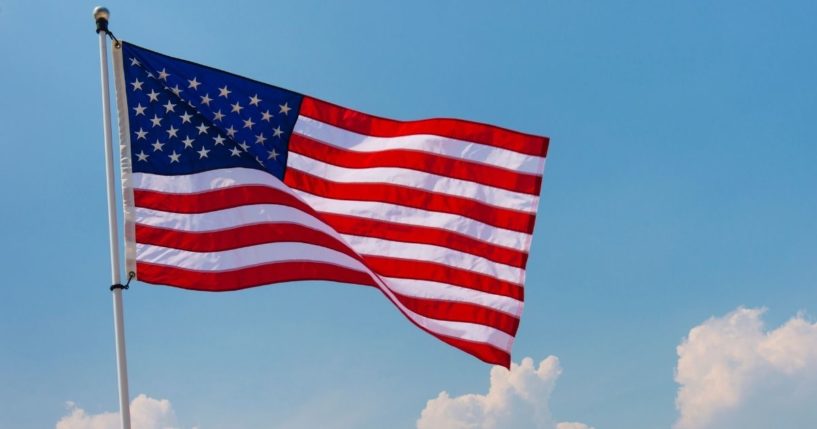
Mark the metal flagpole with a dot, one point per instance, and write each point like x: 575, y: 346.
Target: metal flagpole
x: 101, y: 15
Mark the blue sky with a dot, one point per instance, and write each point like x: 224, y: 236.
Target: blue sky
x: 680, y: 185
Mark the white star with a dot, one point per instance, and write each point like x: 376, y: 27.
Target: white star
x: 163, y: 75
x: 224, y: 92
x: 231, y: 131
x: 218, y: 140
x: 154, y: 96
x: 188, y: 142
x: 273, y: 155
x: 139, y: 109
x: 206, y: 99
x: 254, y: 100
x: 176, y: 90
x: 258, y: 160
x: 266, y: 116
x: 276, y: 132
x: 235, y: 152
x: 248, y: 123
x: 193, y: 84
x: 140, y: 135
x: 218, y: 115
x: 169, y: 107
x: 174, y: 157
x: 236, y: 107
x: 134, y: 62
x: 244, y: 146
x: 203, y: 152
x: 142, y: 156
x: 285, y: 108
x: 260, y: 139
x: 157, y: 146
x: 171, y: 132
x: 186, y: 117
x: 136, y: 84
x: 156, y: 121
x: 202, y: 128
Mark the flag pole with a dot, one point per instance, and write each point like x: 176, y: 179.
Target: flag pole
x: 101, y: 15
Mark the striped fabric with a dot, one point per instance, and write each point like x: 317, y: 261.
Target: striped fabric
x: 436, y: 214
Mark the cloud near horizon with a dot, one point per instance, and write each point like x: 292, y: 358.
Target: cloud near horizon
x: 516, y: 399
x: 733, y: 373
x: 146, y: 413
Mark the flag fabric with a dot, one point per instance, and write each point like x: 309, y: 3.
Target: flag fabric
x: 230, y: 183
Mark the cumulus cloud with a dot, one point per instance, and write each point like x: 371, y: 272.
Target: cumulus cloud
x: 516, y: 399
x: 572, y: 425
x: 146, y: 413
x: 734, y: 373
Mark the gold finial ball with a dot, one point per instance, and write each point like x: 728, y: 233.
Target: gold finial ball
x: 101, y: 13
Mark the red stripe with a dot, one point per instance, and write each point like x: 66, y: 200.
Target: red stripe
x: 424, y: 270
x: 420, y: 161
x: 278, y: 232
x: 242, y: 236
x: 461, y: 312
x: 424, y: 235
x: 292, y: 271
x: 482, y: 351
x: 459, y: 129
x: 218, y: 199
x: 220, y: 281
x: 411, y: 197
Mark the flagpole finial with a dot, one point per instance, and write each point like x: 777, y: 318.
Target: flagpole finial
x: 101, y: 15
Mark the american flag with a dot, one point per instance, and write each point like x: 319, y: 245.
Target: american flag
x: 230, y: 183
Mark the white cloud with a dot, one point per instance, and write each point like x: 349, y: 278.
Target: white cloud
x: 733, y: 373
x: 146, y: 413
x: 572, y: 425
x: 516, y: 399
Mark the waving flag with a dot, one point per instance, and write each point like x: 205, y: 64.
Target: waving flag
x: 230, y: 183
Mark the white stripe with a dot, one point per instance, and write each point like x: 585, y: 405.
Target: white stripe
x: 452, y: 148
x: 244, y: 257
x: 442, y: 291
x: 229, y: 218
x: 412, y: 216
x: 206, y: 181
x: 427, y: 252
x: 416, y: 179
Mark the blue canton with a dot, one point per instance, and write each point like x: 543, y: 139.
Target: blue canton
x: 187, y: 118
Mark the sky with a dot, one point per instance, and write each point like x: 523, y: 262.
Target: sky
x: 672, y: 281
